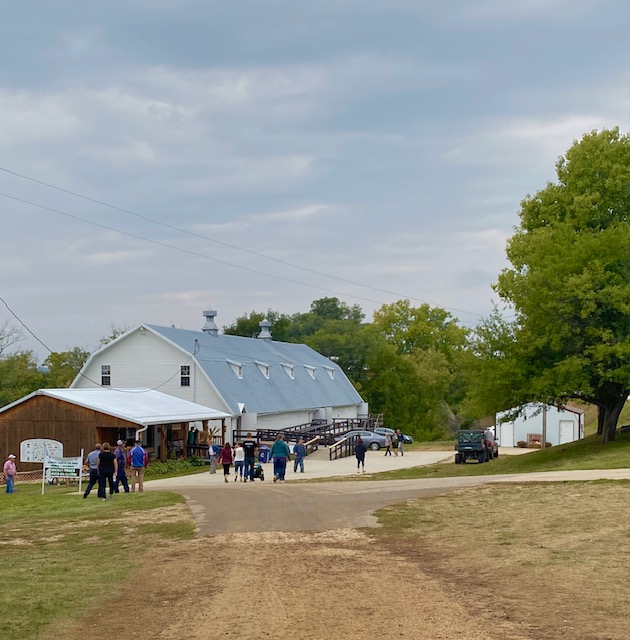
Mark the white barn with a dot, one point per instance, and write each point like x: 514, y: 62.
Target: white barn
x: 258, y: 382
x: 563, y: 425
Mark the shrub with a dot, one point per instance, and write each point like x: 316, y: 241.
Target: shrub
x: 521, y: 444
x: 173, y: 467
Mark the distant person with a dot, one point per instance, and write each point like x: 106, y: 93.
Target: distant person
x: 395, y: 443
x: 92, y: 463
x: 401, y: 442
x: 138, y: 460
x: 121, y: 476
x: 359, y: 452
x: 9, y: 470
x: 280, y: 454
x: 249, y: 446
x: 239, y: 461
x: 388, y: 444
x: 299, y: 453
x: 107, y: 469
x: 212, y: 458
x: 226, y: 458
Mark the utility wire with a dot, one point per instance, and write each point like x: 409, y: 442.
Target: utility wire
x: 225, y: 244
x: 80, y: 373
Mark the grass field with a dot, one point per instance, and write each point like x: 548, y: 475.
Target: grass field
x: 552, y: 556
x: 60, y: 552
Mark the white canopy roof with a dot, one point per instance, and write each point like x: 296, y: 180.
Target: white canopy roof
x: 141, y: 406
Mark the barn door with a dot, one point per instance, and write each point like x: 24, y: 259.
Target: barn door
x: 566, y: 431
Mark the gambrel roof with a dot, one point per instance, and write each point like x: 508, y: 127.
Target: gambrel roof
x: 264, y: 375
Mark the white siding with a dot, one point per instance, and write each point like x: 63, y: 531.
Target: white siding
x: 141, y: 359
x: 531, y: 422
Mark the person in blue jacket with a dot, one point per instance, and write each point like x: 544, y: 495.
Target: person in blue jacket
x: 280, y: 453
x: 299, y: 453
x: 359, y: 452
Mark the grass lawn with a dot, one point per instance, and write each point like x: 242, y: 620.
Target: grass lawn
x: 552, y: 556
x: 60, y: 552
x: 589, y: 453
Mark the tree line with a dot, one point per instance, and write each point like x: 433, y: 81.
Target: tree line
x: 567, y: 291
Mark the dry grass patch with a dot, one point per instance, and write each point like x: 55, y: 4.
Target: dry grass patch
x: 552, y: 557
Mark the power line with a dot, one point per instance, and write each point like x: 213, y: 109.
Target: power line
x: 227, y: 244
x: 80, y: 373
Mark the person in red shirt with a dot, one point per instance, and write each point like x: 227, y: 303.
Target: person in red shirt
x: 9, y: 473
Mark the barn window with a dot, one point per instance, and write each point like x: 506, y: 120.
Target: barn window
x: 289, y: 369
x: 106, y: 375
x: 330, y: 371
x: 237, y: 367
x: 185, y: 375
x: 310, y: 370
x: 263, y: 367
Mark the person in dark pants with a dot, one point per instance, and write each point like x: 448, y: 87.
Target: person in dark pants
x: 299, y: 453
x: 107, y: 469
x: 92, y: 462
x: 226, y: 458
x: 359, y: 452
x: 280, y: 454
x: 121, y: 476
x: 249, y: 445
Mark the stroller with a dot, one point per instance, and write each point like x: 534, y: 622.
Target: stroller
x: 258, y: 472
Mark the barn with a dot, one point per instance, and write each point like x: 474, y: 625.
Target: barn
x: 564, y: 424
x: 78, y: 418
x: 260, y: 382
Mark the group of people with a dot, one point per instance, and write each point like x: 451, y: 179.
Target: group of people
x: 243, y: 456
x: 107, y: 467
x: 395, y: 442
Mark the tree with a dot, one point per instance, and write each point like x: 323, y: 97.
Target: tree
x: 115, y: 332
x: 64, y: 366
x: 248, y: 325
x: 9, y: 335
x: 19, y: 376
x: 570, y: 281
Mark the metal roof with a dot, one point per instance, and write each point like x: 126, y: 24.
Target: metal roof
x: 140, y: 406
x: 317, y: 381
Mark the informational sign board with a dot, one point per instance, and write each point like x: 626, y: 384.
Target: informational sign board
x: 56, y: 467
x: 34, y: 450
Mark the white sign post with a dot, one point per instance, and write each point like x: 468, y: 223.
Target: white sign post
x: 35, y: 449
x: 55, y: 467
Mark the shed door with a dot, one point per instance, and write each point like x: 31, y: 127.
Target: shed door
x: 506, y: 434
x: 566, y: 431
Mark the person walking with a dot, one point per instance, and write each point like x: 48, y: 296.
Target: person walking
x: 395, y: 444
x: 280, y: 454
x: 121, y: 476
x: 388, y: 445
x: 92, y: 463
x: 226, y: 458
x: 212, y: 457
x: 359, y: 452
x: 401, y: 442
x: 250, y: 447
x: 9, y: 470
x: 239, y: 461
x: 139, y: 461
x: 107, y: 470
x: 299, y: 453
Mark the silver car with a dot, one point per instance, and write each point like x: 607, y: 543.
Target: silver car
x: 386, y: 431
x: 370, y: 439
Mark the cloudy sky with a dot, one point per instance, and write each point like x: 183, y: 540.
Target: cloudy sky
x: 262, y: 154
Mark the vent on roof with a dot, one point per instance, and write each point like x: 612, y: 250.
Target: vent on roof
x: 237, y: 367
x: 289, y: 369
x: 263, y: 367
x: 330, y: 371
x: 265, y: 334
x: 310, y: 370
x: 210, y: 327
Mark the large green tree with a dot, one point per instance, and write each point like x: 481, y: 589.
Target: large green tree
x: 570, y: 281
x: 64, y: 366
x: 19, y: 376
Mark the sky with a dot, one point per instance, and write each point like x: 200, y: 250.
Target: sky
x: 262, y: 154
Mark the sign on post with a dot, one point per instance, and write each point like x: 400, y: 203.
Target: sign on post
x: 35, y: 449
x: 56, y: 467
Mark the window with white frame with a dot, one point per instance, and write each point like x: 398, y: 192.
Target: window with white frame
x: 106, y: 375
x: 330, y: 371
x: 184, y: 380
x: 310, y: 370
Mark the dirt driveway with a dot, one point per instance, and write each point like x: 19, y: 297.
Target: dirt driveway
x: 269, y: 578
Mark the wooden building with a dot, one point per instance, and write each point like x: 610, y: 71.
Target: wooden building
x: 79, y: 418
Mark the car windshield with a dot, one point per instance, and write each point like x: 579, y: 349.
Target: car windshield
x: 470, y: 436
